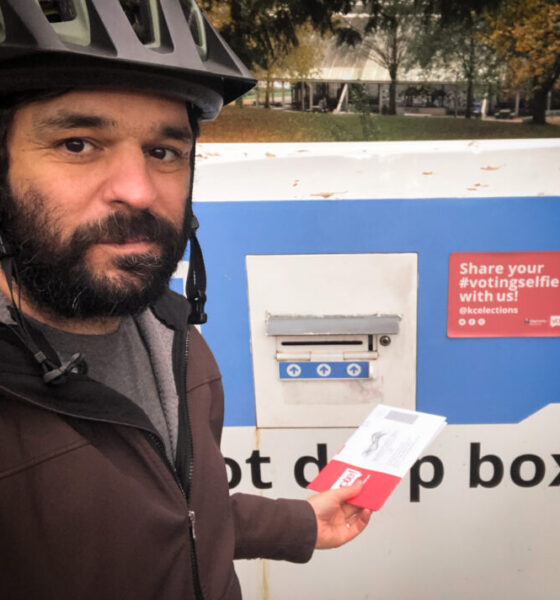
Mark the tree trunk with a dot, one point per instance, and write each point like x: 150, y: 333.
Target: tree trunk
x: 470, y: 79
x: 267, y: 92
x: 539, y: 105
x: 468, y: 108
x: 393, y: 91
x: 393, y: 70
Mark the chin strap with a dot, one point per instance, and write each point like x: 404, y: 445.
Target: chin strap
x: 195, y: 287
x: 196, y: 279
x: 53, y: 374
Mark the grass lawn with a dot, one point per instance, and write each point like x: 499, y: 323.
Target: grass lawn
x: 250, y: 124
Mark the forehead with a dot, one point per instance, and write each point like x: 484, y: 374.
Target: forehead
x: 116, y: 110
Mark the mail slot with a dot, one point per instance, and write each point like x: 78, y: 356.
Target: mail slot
x: 332, y: 336
x: 329, y: 347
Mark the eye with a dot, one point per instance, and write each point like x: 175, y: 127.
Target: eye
x: 76, y: 145
x: 165, y: 154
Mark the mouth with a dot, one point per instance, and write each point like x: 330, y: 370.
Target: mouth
x: 133, y: 245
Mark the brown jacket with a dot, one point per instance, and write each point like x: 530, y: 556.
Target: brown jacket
x: 89, y: 506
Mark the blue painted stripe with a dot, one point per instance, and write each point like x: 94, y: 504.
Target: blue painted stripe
x: 488, y: 380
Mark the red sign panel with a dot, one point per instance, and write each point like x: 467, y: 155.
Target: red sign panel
x: 504, y: 294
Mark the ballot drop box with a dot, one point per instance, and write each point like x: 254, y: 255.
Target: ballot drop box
x: 422, y: 275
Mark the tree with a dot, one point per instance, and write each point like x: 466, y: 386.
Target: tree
x: 526, y: 33
x: 455, y: 12
x: 458, y: 45
x: 383, y: 30
x: 361, y: 103
x: 257, y: 30
x: 297, y: 63
x: 264, y: 32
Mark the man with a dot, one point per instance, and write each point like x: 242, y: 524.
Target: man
x: 112, y: 484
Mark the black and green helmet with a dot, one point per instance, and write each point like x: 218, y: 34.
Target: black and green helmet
x: 166, y: 46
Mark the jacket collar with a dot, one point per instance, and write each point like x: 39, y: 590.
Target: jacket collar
x: 80, y: 396
x: 172, y: 310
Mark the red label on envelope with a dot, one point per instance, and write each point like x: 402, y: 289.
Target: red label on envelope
x: 504, y: 294
x: 377, y: 488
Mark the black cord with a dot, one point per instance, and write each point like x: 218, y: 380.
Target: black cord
x: 53, y: 374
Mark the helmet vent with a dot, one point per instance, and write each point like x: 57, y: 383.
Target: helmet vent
x: 196, y: 25
x: 69, y: 20
x: 139, y: 14
x: 58, y: 11
x: 166, y: 46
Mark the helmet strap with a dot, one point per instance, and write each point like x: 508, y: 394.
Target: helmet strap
x: 196, y: 278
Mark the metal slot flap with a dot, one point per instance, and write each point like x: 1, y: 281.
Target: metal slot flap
x: 325, y: 347
x: 332, y: 325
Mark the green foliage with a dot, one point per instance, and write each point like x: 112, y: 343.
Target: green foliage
x: 360, y: 101
x: 259, y: 30
x: 453, y: 12
x: 297, y: 62
x: 458, y: 47
x: 383, y: 32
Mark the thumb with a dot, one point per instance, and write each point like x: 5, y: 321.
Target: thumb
x: 347, y: 493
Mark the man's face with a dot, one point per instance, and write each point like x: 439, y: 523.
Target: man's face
x: 95, y: 202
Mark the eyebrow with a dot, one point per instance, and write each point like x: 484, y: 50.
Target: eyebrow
x: 181, y: 134
x: 74, y: 120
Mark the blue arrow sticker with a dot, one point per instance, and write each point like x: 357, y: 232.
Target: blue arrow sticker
x: 323, y: 370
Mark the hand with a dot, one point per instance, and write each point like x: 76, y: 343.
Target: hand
x: 337, y: 521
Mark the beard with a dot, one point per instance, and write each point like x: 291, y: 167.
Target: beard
x: 54, y: 274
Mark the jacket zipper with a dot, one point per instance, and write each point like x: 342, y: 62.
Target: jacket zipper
x: 188, y: 469
x: 190, y: 472
x: 157, y: 444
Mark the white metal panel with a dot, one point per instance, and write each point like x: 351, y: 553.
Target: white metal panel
x: 352, y: 170
x: 319, y: 285
x: 456, y: 543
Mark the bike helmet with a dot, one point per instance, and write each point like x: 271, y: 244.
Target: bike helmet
x: 162, y: 46
x: 146, y: 45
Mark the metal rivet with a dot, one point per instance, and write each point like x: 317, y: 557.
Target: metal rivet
x: 385, y: 340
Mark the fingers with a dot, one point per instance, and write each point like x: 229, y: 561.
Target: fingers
x: 360, y: 514
x: 337, y: 521
x: 357, y: 521
x: 363, y: 517
x: 350, y: 510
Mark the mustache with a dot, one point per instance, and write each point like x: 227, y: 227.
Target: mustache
x: 122, y: 227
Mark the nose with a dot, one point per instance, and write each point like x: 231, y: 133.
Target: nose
x: 128, y: 179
